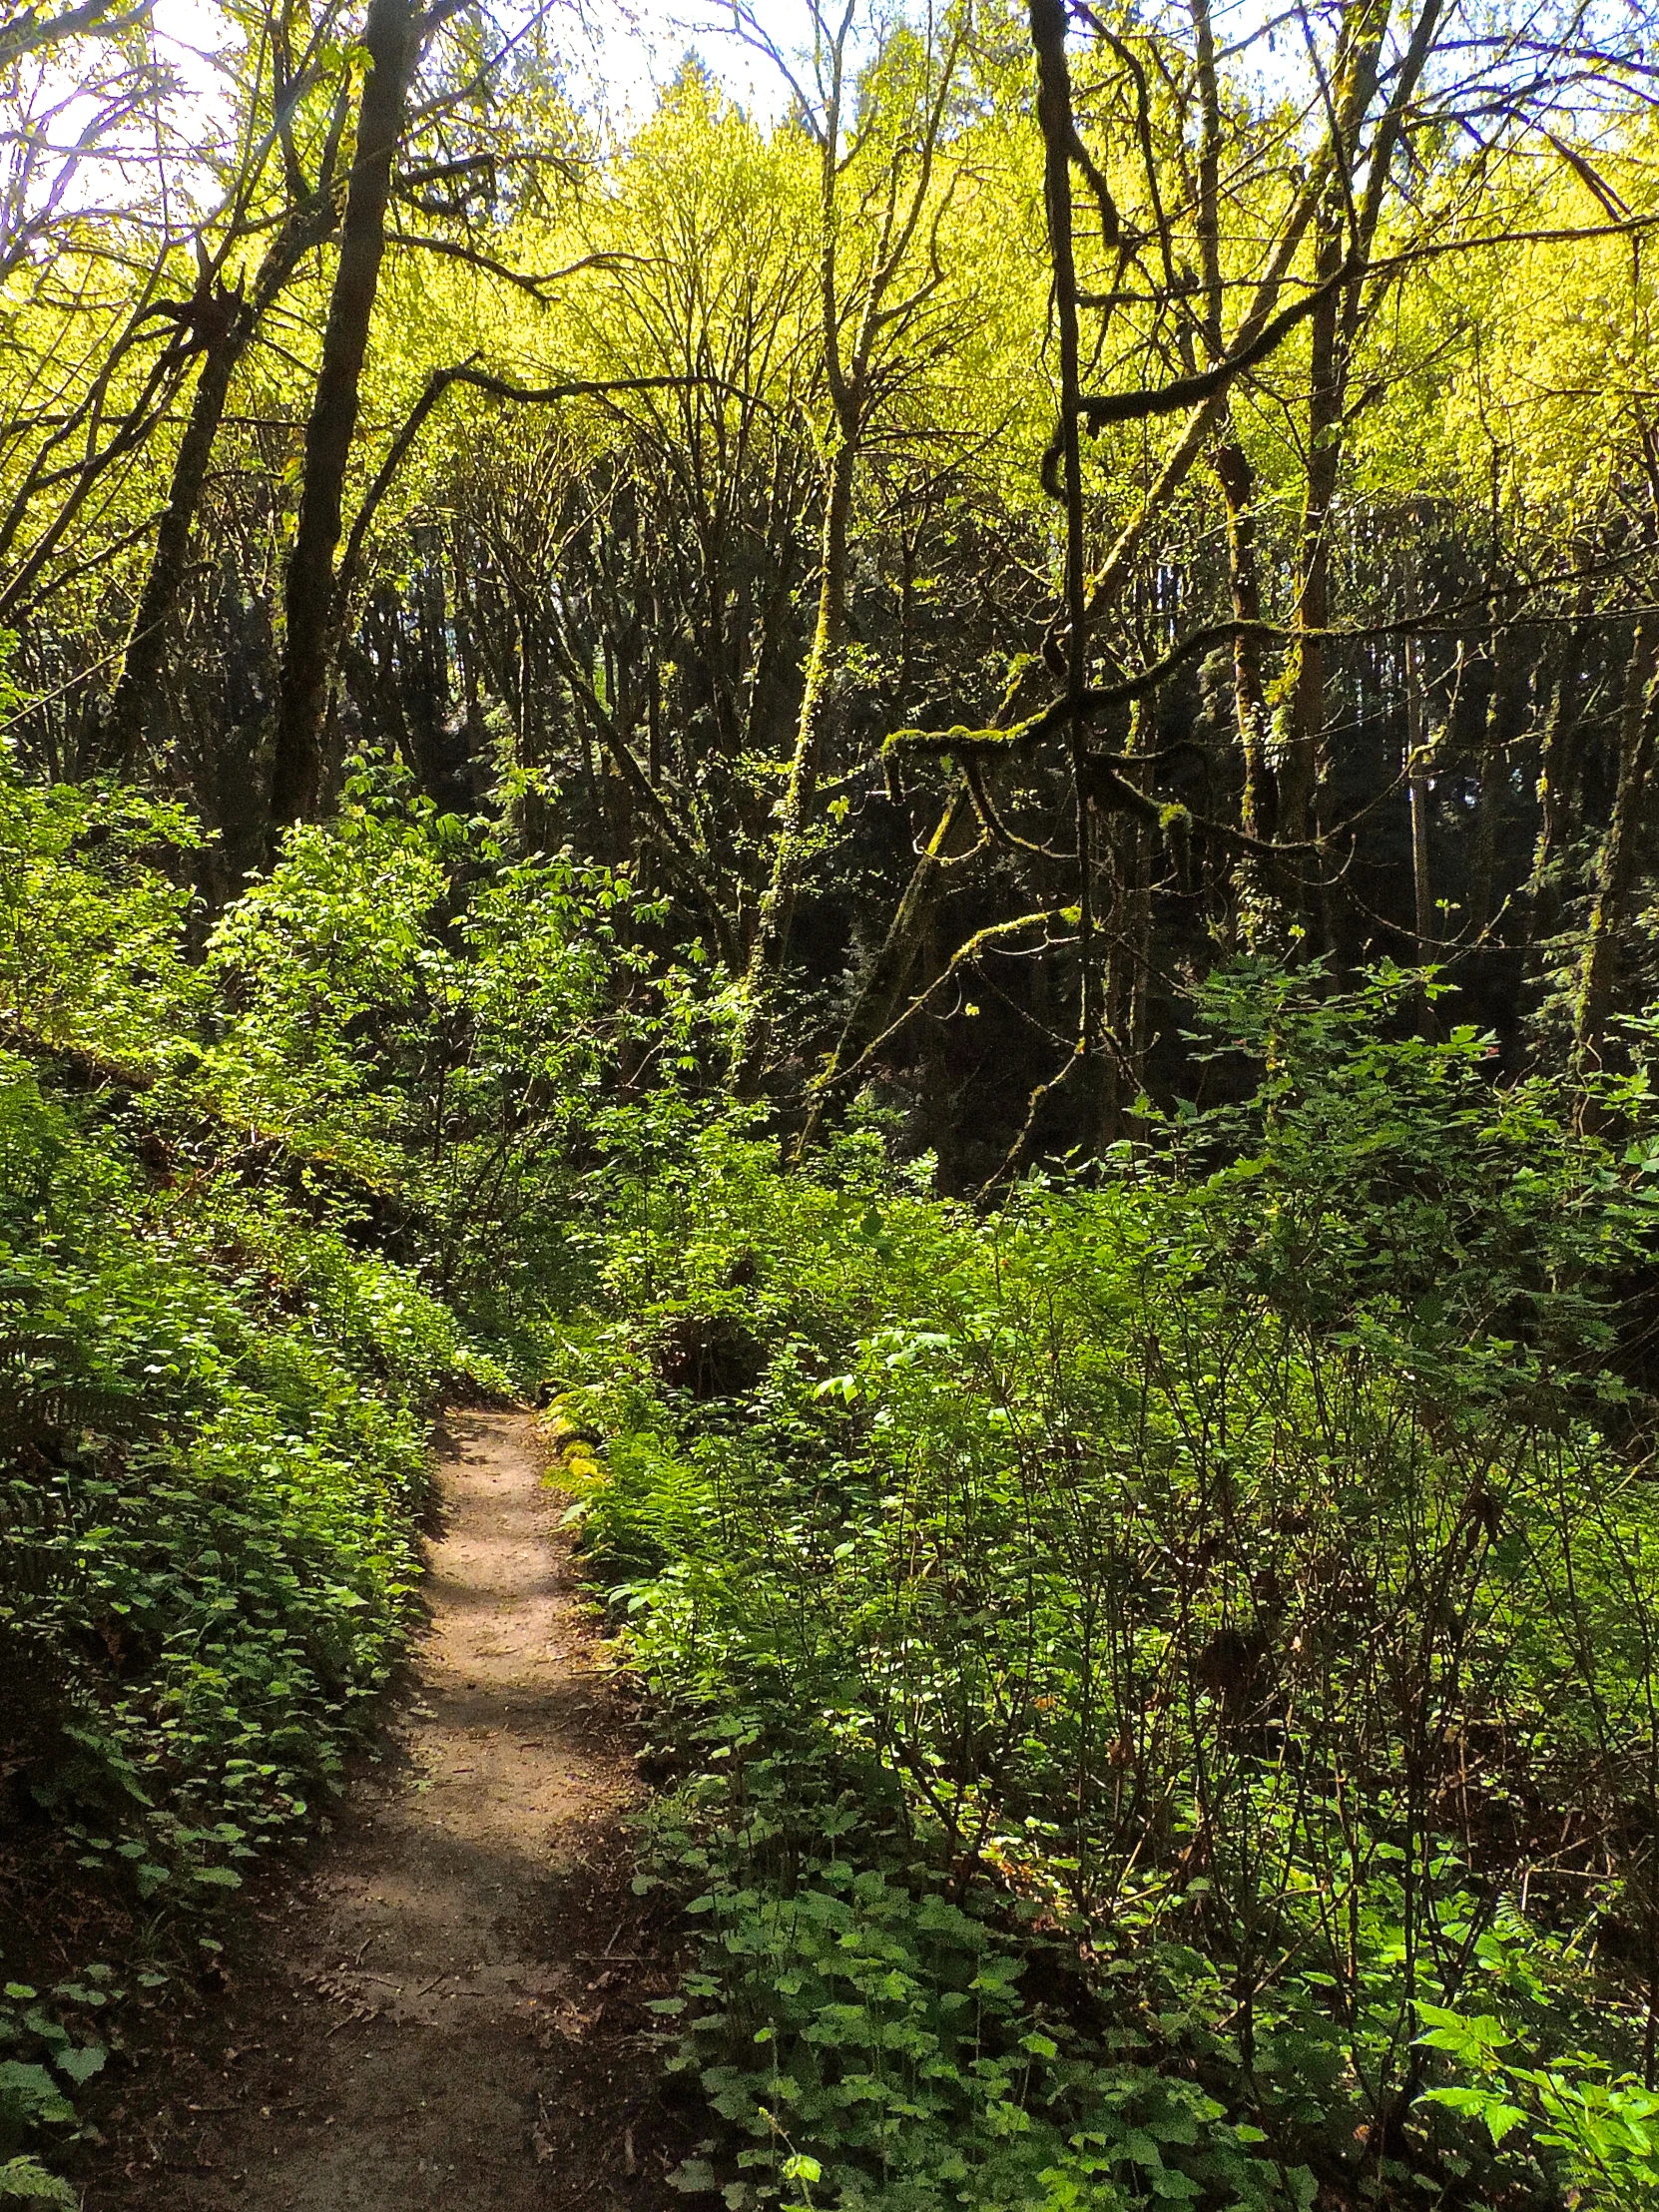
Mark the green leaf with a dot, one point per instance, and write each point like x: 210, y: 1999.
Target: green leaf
x: 26, y: 2181
x: 82, y: 2063
x: 1502, y: 2120
x: 1474, y: 2041
x: 1500, y: 2116
x: 31, y: 2092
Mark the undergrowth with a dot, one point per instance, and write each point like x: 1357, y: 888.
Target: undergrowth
x: 242, y: 1197
x: 214, y: 1414
x: 1163, y: 1677
x: 1159, y: 1682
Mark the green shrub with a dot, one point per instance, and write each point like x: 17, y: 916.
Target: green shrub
x: 1219, y: 1569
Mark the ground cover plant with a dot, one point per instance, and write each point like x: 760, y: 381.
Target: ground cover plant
x: 1164, y: 1673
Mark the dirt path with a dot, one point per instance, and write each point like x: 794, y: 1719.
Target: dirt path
x: 445, y: 2009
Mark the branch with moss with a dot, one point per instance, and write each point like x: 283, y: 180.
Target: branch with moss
x: 983, y: 941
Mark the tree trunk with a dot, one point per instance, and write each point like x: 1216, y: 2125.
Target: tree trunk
x: 1616, y: 869
x: 769, y: 949
x: 232, y: 325
x: 1503, y: 715
x: 1555, y: 784
x: 1304, y: 684
x: 145, y: 662
x: 1256, y: 897
x: 889, y: 971
x: 1249, y: 691
x: 1129, y: 958
x: 390, y: 37
x: 1418, y: 749
x: 1057, y: 121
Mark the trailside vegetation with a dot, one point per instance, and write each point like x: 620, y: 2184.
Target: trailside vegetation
x: 945, y: 807
x: 233, y: 1260
x: 1158, y: 1675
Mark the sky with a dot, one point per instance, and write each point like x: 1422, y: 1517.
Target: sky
x: 625, y: 57
x: 619, y: 50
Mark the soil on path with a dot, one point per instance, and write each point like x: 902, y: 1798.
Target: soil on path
x: 447, y: 2008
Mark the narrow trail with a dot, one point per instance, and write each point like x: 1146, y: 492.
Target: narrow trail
x: 446, y: 2007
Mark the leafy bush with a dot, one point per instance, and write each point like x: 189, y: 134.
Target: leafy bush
x: 407, y: 1001
x: 92, y: 951
x: 212, y: 1413
x: 26, y: 2181
x: 215, y: 1444
x: 1603, y: 2132
x: 1220, y: 1570
x: 247, y: 1198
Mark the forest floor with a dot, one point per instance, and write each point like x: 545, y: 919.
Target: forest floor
x: 446, y: 2003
